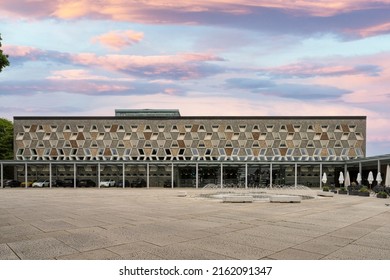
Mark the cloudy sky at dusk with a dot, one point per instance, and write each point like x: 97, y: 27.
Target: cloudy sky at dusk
x: 214, y: 57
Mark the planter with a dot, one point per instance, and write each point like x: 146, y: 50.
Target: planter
x: 353, y: 193
x: 364, y: 194
x: 381, y: 195
x: 342, y: 192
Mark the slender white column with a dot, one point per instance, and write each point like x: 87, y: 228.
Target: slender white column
x: 221, y: 175
x: 246, y: 175
x: 270, y: 175
x: 123, y: 175
x: 50, y: 175
x: 379, y: 165
x: 147, y: 175
x: 197, y: 175
x: 320, y: 175
x: 98, y: 175
x: 74, y: 175
x: 172, y: 176
x: 1, y: 175
x: 25, y: 174
x: 296, y: 175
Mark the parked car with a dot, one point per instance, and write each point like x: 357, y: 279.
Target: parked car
x: 86, y: 183
x: 41, y: 183
x: 28, y: 184
x: 138, y: 183
x: 120, y: 184
x: 168, y: 184
x: 107, y: 183
x: 11, y: 183
x: 69, y: 182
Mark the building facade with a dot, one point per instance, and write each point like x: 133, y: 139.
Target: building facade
x: 163, y: 148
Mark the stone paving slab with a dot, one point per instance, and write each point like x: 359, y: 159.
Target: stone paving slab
x: 40, y: 249
x: 156, y: 224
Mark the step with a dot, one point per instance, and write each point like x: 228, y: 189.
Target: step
x: 285, y: 198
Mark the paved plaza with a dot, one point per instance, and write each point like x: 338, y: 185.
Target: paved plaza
x: 159, y: 224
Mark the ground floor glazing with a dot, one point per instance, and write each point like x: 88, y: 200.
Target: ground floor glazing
x: 189, y: 174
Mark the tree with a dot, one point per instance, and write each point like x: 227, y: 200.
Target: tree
x: 3, y: 58
x: 6, y: 139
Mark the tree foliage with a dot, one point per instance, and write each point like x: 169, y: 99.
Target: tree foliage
x: 3, y: 58
x: 6, y: 139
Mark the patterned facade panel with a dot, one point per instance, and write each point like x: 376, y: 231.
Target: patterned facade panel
x: 205, y: 138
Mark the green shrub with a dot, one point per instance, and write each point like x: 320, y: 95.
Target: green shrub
x: 363, y: 189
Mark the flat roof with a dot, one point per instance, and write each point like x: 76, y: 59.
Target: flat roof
x: 190, y: 117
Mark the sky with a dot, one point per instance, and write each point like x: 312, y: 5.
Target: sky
x: 208, y: 58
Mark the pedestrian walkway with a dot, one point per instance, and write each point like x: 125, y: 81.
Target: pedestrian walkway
x: 159, y: 224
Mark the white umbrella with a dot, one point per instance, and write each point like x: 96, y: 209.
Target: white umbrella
x: 341, y: 178
x: 359, y: 178
x: 387, y: 181
x: 347, y: 182
x: 378, y: 178
x: 370, y: 178
x: 324, y: 178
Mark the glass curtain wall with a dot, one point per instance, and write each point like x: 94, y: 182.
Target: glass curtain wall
x: 185, y: 176
x: 160, y: 175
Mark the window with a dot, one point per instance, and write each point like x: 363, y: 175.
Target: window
x: 269, y: 127
x: 228, y: 128
x: 134, y: 128
x: 352, y: 128
x: 283, y: 128
x: 80, y: 128
x: 174, y: 128
x: 188, y: 127
x: 256, y: 128
x: 297, y: 127
x: 201, y: 128
x: 121, y: 128
x: 242, y: 127
x: 107, y: 128
x: 40, y: 128
x: 67, y: 128
x: 215, y: 128
x: 20, y: 136
x: 94, y: 128
x: 161, y: 128
x: 310, y: 128
x: 324, y: 128
x: 148, y: 128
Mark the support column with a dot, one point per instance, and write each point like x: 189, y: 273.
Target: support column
x: 379, y: 166
x: 123, y: 175
x: 25, y: 174
x: 246, y: 175
x: 221, y: 175
x: 360, y: 169
x: 1, y: 175
x: 98, y: 168
x: 172, y: 177
x: 50, y: 176
x: 74, y: 175
x: 147, y: 175
x: 197, y: 175
x: 296, y: 175
x: 321, y: 176
x: 270, y: 175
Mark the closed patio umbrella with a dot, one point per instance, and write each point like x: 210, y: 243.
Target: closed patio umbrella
x: 324, y: 178
x: 370, y: 178
x: 378, y: 178
x: 387, y: 180
x: 359, y: 179
x: 347, y: 181
x: 341, y: 178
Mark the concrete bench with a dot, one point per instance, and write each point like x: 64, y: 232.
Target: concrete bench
x: 285, y: 198
x: 325, y: 194
x: 182, y: 194
x: 238, y: 198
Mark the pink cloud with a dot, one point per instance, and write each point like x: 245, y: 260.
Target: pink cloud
x: 146, y: 11
x: 175, y: 66
x: 372, y: 30
x: 119, y: 39
x: 313, y: 69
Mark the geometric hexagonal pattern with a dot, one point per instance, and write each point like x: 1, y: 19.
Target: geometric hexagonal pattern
x: 190, y: 138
